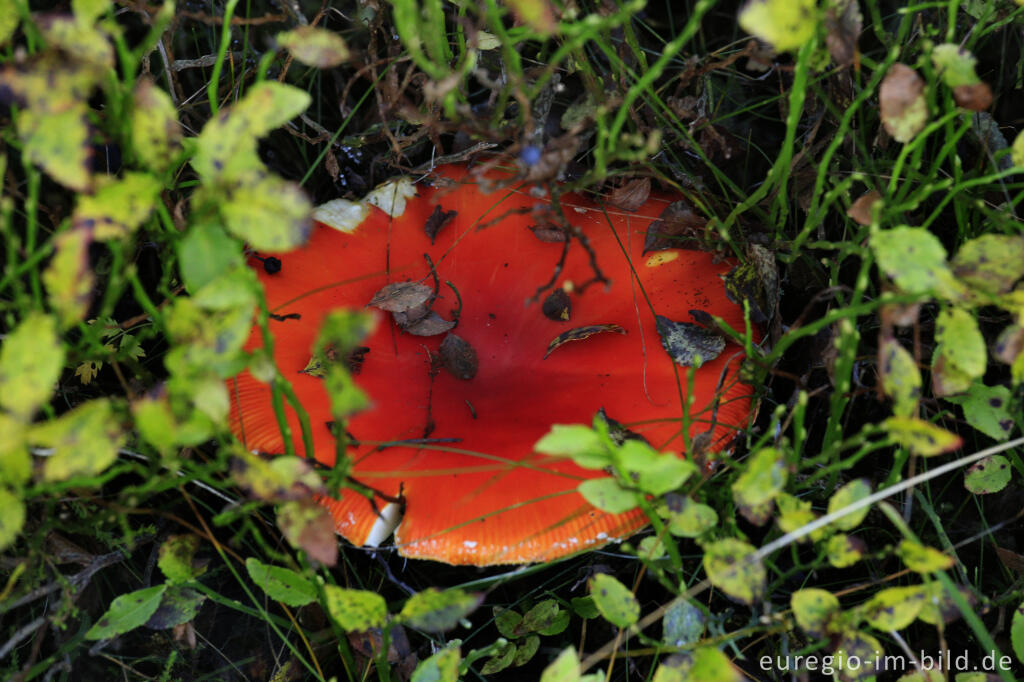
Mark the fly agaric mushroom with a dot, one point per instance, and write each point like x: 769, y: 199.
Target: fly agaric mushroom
x: 457, y: 446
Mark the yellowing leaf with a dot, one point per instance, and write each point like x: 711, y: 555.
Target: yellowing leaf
x: 537, y: 14
x: 921, y: 437
x: 68, y: 279
x: 786, y: 24
x: 441, y: 667
x: 84, y: 441
x: 30, y: 363
x: 155, y: 131
x: 902, y: 103
x: 914, y: 258
x: 177, y: 558
x: 991, y: 263
x: 9, y: 19
x: 893, y: 608
x: 955, y: 65
x: 314, y: 46
x: 437, y: 610
x: 923, y: 559
x: 355, y: 610
x: 962, y: 347
x: 901, y: 379
x: 844, y: 550
x: 732, y: 568
x: 764, y: 476
x: 270, y: 214
x: 692, y: 520
x: 813, y: 609
x: 565, y: 668
x: 118, y: 207
x: 852, y: 492
x: 59, y: 142
x: 1017, y: 150
x: 308, y: 526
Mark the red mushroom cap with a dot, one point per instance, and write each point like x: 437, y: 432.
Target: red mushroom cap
x: 488, y: 498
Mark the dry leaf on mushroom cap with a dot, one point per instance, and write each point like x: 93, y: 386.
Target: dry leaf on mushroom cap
x: 474, y: 491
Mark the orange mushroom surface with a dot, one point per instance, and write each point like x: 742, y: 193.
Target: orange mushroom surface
x: 459, y: 451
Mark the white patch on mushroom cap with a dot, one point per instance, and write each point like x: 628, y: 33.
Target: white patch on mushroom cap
x: 342, y: 214
x: 390, y: 197
x: 388, y: 519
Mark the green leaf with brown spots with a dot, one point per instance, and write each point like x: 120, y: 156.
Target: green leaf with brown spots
x: 986, y: 408
x: 127, y: 612
x: 683, y: 624
x: 915, y: 259
x: 921, y: 437
x: 795, y: 513
x: 30, y: 363
x: 922, y: 558
x: 960, y: 357
x: 614, y: 600
x: 852, y: 492
x: 314, y: 46
x: 355, y: 610
x: 281, y: 584
x: 84, y: 441
x: 177, y: 558
x: 435, y: 610
x: 991, y: 263
x: 178, y: 605
x: 118, y: 207
x: 814, y: 609
x: 733, y: 568
x: 691, y: 519
x: 155, y: 130
x: 989, y: 475
x: 901, y: 379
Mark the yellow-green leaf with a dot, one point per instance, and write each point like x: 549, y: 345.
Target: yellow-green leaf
x: 441, y: 667
x: 786, y: 24
x: 857, y: 656
x: 914, y: 258
x: 991, y: 263
x: 901, y: 379
x: 893, y: 608
x: 9, y: 19
x: 15, y: 462
x: 435, y: 610
x: 118, y: 207
x: 813, y: 609
x: 986, y: 408
x: 961, y: 345
x: 764, y: 476
x: 565, y: 668
x: 155, y: 131
x: 852, y: 492
x: 12, y: 517
x: 614, y: 600
x: 692, y: 519
x: 84, y: 441
x: 68, y: 278
x: 58, y: 142
x: 732, y: 568
x: 270, y: 214
x: 844, y: 550
x: 176, y: 558
x: 955, y: 65
x: 1017, y: 150
x: 921, y: 558
x: 355, y: 610
x: 31, y: 359
x: 314, y: 46
x: 921, y: 437
x: 1017, y: 632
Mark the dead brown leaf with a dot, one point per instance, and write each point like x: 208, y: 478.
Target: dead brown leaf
x: 632, y: 195
x: 401, y: 297
x: 860, y: 210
